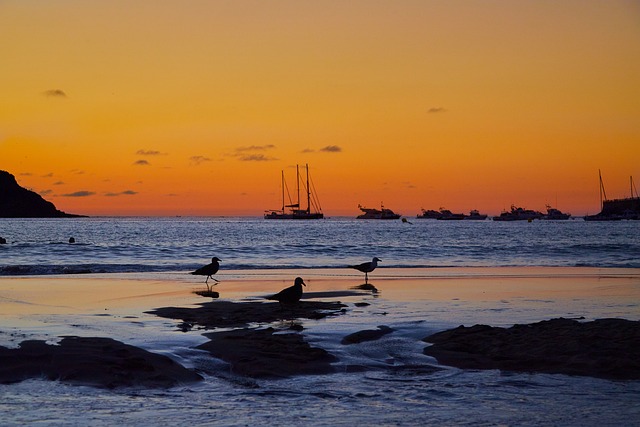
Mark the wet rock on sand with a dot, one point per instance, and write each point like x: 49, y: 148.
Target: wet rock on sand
x: 604, y: 348
x: 101, y: 362
x: 228, y: 314
x: 263, y: 353
x: 367, y: 335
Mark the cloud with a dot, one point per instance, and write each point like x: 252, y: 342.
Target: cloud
x: 141, y: 163
x: 256, y: 158
x: 308, y: 150
x: 49, y: 175
x: 149, y: 153
x: 55, y: 93
x: 122, y: 193
x: 198, y: 160
x: 45, y: 192
x: 58, y: 183
x: 82, y: 193
x: 256, y: 148
x: 437, y: 110
x: 331, y: 149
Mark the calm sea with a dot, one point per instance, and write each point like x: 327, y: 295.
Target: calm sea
x: 395, y: 385
x: 116, y: 245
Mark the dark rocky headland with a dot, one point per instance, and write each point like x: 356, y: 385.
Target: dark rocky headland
x: 18, y: 202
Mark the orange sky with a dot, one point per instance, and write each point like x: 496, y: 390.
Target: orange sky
x: 193, y: 108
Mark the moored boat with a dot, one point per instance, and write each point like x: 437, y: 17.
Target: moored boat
x: 382, y: 213
x: 476, y: 215
x: 447, y: 215
x: 555, y: 214
x: 429, y: 214
x: 518, y: 214
x: 616, y: 209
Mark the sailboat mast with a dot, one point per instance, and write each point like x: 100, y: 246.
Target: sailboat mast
x: 282, y: 173
x: 603, y: 193
x: 308, y: 191
x: 298, y: 184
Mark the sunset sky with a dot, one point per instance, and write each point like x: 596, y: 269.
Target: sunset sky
x: 194, y: 107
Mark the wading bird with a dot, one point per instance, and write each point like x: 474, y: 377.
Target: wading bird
x: 290, y: 295
x: 367, y: 267
x: 208, y: 270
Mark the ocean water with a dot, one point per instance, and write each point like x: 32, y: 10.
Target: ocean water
x: 397, y: 385
x: 116, y: 245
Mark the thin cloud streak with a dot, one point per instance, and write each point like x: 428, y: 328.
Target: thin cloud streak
x: 331, y: 149
x: 55, y: 93
x: 122, y: 193
x: 83, y: 193
x: 149, y: 153
x: 198, y: 160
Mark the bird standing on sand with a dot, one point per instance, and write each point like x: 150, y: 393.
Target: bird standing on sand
x: 290, y: 295
x: 367, y: 267
x: 208, y: 270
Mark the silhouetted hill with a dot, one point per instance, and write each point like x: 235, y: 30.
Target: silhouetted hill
x: 18, y: 202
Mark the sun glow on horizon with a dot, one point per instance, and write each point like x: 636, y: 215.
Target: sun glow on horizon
x: 158, y: 108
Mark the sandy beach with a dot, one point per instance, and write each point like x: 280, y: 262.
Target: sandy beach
x: 239, y: 327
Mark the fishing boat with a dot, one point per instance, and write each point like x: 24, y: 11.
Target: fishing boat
x: 382, y: 213
x: 617, y: 209
x: 293, y: 210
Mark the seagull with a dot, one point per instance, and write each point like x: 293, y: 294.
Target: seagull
x: 290, y: 295
x: 208, y: 270
x: 367, y: 267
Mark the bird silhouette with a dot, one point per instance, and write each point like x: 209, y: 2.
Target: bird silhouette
x: 208, y: 270
x: 367, y: 267
x: 290, y: 295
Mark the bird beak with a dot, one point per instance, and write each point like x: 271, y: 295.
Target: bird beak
x: 304, y: 283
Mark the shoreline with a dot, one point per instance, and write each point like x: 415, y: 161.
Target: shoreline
x: 162, y: 314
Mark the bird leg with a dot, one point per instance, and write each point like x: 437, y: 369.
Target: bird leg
x: 366, y: 278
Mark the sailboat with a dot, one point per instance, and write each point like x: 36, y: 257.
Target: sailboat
x: 293, y: 210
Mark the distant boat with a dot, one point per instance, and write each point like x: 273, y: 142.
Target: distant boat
x: 293, y: 210
x: 445, y: 214
x: 382, y: 213
x: 555, y: 214
x: 474, y: 214
x: 617, y: 209
x: 518, y: 214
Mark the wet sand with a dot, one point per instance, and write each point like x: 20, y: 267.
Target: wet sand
x: 259, y: 339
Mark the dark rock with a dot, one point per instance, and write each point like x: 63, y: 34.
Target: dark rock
x: 225, y: 314
x: 101, y: 362
x: 366, y: 335
x: 262, y: 353
x: 18, y: 202
x: 604, y: 348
